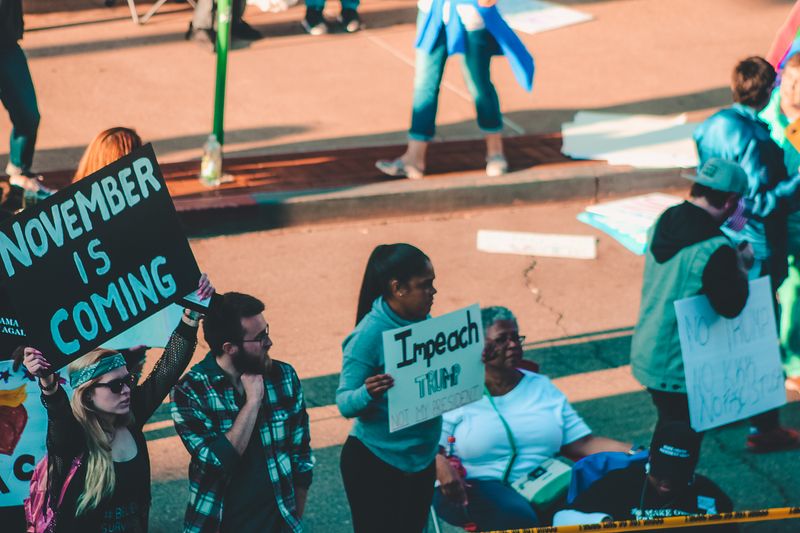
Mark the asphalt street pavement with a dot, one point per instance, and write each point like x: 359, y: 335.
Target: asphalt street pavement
x: 577, y: 315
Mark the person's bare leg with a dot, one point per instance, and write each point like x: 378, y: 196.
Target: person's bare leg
x: 415, y: 154
x: 496, y: 164
x: 494, y: 144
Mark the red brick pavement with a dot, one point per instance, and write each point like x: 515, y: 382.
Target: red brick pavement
x: 338, y: 168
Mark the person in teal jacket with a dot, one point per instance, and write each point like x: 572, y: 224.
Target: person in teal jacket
x: 782, y: 110
x: 388, y: 477
x: 737, y: 134
x: 687, y: 254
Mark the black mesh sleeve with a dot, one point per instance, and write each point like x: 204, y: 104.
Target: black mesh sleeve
x: 149, y: 394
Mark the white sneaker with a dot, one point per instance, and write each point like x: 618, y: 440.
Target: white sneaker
x: 496, y: 165
x: 27, y: 180
x: 397, y: 168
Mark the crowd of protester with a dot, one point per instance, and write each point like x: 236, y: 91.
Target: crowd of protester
x: 242, y: 415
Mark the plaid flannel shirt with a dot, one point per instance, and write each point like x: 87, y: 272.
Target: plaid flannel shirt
x: 205, y: 407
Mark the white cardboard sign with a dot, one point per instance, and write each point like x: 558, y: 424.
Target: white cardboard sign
x: 733, y: 366
x: 436, y: 365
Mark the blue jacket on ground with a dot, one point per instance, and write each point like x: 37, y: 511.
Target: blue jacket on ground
x: 511, y: 46
x: 411, y: 449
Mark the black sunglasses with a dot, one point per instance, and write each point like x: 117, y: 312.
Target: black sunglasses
x: 116, y: 385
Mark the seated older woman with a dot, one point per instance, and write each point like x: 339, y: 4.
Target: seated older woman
x: 542, y: 424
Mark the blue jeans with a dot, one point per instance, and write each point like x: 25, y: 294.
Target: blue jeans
x: 19, y: 98
x: 492, y: 506
x: 480, y: 46
x: 320, y: 4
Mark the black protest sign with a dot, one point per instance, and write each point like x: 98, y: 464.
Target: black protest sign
x: 11, y: 333
x: 96, y: 258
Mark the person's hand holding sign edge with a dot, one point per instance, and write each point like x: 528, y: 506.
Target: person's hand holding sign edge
x: 378, y: 384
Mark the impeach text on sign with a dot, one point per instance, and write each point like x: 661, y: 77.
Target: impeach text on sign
x: 436, y: 366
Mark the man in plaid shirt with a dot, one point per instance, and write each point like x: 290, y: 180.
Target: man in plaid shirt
x: 243, y: 419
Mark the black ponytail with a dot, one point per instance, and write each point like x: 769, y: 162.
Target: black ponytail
x: 387, y: 262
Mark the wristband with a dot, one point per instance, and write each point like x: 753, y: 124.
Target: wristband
x: 51, y: 388
x: 192, y: 316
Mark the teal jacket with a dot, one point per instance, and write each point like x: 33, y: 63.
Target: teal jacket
x: 687, y: 255
x: 737, y: 134
x: 411, y: 449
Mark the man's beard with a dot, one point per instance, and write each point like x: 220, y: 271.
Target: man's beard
x: 245, y: 363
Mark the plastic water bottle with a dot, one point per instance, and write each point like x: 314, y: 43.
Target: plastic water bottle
x: 211, y: 164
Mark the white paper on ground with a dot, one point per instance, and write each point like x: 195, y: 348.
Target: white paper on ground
x: 629, y: 219
x: 272, y: 6
x: 642, y: 141
x: 535, y: 16
x: 538, y: 244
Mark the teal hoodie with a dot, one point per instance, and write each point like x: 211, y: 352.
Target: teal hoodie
x: 411, y: 449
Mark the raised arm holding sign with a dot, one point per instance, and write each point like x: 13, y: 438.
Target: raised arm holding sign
x: 96, y: 258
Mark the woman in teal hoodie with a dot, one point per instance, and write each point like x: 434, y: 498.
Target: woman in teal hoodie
x: 388, y: 477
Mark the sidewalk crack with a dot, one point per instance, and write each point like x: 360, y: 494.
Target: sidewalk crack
x: 527, y: 274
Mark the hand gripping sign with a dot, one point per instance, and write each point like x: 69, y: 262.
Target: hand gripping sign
x: 96, y: 258
x: 436, y: 365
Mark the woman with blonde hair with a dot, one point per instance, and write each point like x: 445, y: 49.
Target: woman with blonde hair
x: 100, y: 428
x: 108, y: 146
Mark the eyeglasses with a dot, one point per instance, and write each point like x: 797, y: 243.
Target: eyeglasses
x: 508, y: 337
x: 116, y: 385
x: 261, y: 338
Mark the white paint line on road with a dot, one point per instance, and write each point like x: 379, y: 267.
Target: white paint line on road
x: 380, y: 43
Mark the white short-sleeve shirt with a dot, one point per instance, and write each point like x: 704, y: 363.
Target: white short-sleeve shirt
x: 540, y: 417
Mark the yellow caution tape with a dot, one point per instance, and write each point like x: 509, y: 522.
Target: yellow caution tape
x: 13, y: 397
x: 655, y: 524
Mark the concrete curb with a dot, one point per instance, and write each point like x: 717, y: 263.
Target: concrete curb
x: 258, y: 211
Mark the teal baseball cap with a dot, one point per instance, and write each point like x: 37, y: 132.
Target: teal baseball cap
x: 721, y: 175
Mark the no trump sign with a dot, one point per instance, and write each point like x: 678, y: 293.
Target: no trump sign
x: 733, y: 366
x: 436, y: 366
x: 96, y: 258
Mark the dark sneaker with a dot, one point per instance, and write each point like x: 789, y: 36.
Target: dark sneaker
x: 204, y: 37
x: 245, y: 31
x: 350, y: 20
x: 314, y: 23
x: 773, y: 441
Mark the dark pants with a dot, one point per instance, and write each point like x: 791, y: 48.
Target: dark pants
x: 205, y: 14
x: 492, y: 506
x: 674, y: 407
x: 19, y: 98
x: 383, y: 498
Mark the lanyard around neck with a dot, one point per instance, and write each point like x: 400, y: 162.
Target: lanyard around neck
x: 509, y: 434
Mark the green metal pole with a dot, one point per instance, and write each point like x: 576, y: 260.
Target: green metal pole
x: 223, y: 43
